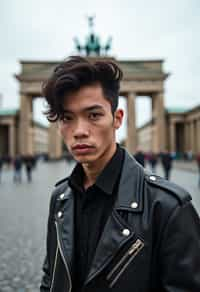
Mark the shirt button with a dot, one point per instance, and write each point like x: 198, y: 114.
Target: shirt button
x: 134, y: 205
x: 59, y: 214
x: 152, y: 177
x: 126, y: 232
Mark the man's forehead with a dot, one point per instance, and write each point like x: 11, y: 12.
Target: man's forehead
x: 87, y: 98
x: 84, y: 108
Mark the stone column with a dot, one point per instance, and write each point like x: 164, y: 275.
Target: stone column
x: 192, y: 136
x: 12, y: 140
x: 172, y: 133
x: 131, y: 142
x: 186, y: 137
x: 159, y: 120
x: 55, y: 142
x: 25, y: 126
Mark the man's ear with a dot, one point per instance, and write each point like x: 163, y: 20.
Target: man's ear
x: 118, y: 117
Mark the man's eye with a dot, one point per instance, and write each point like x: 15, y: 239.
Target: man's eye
x: 94, y: 116
x: 66, y: 119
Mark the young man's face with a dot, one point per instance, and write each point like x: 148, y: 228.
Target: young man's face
x: 88, y: 127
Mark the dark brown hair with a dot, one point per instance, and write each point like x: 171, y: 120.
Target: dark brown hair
x: 74, y: 73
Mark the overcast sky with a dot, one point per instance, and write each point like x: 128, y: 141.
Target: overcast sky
x: 44, y: 30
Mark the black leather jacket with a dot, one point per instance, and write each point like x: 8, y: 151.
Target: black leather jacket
x: 151, y: 241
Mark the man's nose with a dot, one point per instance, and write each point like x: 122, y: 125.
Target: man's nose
x: 81, y: 129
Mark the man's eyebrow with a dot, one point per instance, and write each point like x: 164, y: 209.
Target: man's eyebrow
x: 93, y: 107
x: 89, y: 108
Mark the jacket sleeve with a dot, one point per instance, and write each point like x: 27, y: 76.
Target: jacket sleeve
x: 46, y: 278
x: 180, y: 251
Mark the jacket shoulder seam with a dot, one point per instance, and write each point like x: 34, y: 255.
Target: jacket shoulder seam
x: 177, y: 191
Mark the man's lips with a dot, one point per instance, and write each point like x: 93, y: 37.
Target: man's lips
x: 82, y: 147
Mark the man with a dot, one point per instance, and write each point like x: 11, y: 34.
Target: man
x: 153, y: 160
x: 111, y: 226
x: 1, y: 166
x: 17, y: 164
x: 166, y: 160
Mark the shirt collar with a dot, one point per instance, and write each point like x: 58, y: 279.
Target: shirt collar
x: 107, y: 178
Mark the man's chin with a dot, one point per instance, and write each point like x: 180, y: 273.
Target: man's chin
x: 84, y: 159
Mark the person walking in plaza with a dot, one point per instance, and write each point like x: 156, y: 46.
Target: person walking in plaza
x: 28, y: 161
x: 112, y: 225
x: 166, y: 161
x: 17, y: 164
x: 153, y: 159
x: 1, y: 167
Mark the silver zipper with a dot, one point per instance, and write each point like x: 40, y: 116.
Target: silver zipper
x: 54, y: 269
x: 131, y: 253
x: 63, y: 258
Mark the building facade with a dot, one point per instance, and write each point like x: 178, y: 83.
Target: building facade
x: 182, y: 131
x: 10, y: 135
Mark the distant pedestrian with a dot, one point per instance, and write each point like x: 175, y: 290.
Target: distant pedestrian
x: 198, y: 164
x: 1, y: 167
x: 190, y: 155
x: 153, y: 159
x: 140, y: 157
x: 17, y: 164
x: 166, y: 160
x: 7, y: 160
x: 29, y: 163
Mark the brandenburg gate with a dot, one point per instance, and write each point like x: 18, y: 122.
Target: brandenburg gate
x: 141, y: 78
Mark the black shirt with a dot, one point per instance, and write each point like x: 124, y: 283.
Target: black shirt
x: 92, y: 208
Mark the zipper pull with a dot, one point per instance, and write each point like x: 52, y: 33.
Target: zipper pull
x: 137, y: 245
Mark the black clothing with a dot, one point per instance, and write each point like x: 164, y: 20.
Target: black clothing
x: 150, y: 243
x: 1, y: 163
x: 140, y: 157
x: 153, y: 159
x: 92, y: 207
x: 17, y: 169
x: 166, y: 161
x: 1, y: 166
x: 29, y: 161
x: 18, y: 164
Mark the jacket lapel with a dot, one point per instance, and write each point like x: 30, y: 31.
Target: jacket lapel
x: 113, y: 237
x: 65, y: 226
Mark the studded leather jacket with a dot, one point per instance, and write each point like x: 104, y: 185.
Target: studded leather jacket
x: 151, y: 241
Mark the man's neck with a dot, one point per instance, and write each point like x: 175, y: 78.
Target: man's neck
x: 93, y: 170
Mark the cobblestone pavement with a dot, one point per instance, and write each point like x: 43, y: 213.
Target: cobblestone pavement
x: 23, y: 218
